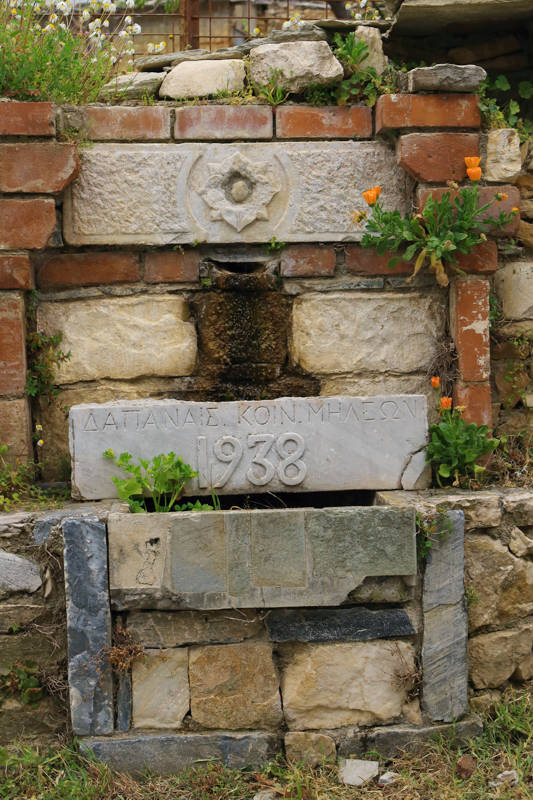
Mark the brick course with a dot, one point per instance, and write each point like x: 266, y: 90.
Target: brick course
x: 486, y: 194
x: 365, y: 261
x: 15, y: 429
x: 223, y: 122
x: 26, y: 223
x: 12, y: 344
x: 307, y: 261
x: 27, y: 119
x: 436, y: 157
x: 396, y: 111
x: 171, y: 267
x: 122, y: 123
x: 334, y: 122
x: 45, y: 167
x: 16, y: 271
x: 87, y: 269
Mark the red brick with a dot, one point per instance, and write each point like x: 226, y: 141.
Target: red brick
x: 171, y: 266
x: 88, y: 269
x: 27, y: 119
x: 427, y: 111
x: 26, y: 223
x: 12, y: 344
x: 483, y: 260
x: 307, y: 261
x: 486, y: 194
x: 333, y: 122
x: 436, y: 157
x: 469, y: 299
x: 16, y: 271
x: 15, y: 429
x: 116, y: 123
x: 477, y: 399
x: 37, y: 166
x: 223, y: 122
x: 365, y: 261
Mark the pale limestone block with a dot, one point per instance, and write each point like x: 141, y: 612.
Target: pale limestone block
x: 520, y: 544
x: 161, y: 688
x: 234, y: 686
x: 352, y: 332
x: 332, y: 685
x: 524, y: 671
x: 309, y: 748
x: 355, y: 772
x: 137, y: 550
x: 481, y: 509
x: 297, y: 191
x: 503, y: 162
x: 376, y: 58
x: 518, y: 504
x: 502, y: 583
x: 493, y: 657
x: 514, y: 286
x: 18, y: 574
x: 132, y: 86
x: 203, y: 78
x: 446, y: 78
x: 296, y: 65
x: 122, y: 337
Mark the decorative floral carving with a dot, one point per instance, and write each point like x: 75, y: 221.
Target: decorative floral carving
x: 239, y: 190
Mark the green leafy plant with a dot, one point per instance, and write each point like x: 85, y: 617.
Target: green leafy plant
x: 274, y: 245
x: 499, y: 110
x: 271, y: 91
x: 44, y: 356
x: 162, y: 480
x: 455, y: 446
x: 22, y: 683
x: 361, y: 83
x: 443, y: 229
x: 430, y: 529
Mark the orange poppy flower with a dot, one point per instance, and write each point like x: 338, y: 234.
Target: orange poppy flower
x: 474, y: 173
x: 472, y: 161
x: 515, y: 210
x: 371, y: 195
x: 435, y: 382
x: 445, y: 403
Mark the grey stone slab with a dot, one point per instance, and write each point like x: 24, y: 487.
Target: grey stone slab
x: 288, y: 444
x: 18, y: 574
x: 124, y: 702
x: 444, y: 662
x: 337, y: 625
x: 88, y: 625
x: 166, y: 754
x: 43, y: 526
x: 444, y: 573
x: 389, y: 740
x: 297, y: 191
x: 306, y: 557
x: 175, y: 628
x: 446, y: 78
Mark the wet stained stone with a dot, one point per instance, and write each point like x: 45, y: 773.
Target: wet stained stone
x: 340, y: 624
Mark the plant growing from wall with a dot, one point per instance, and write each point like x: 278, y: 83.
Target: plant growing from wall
x: 44, y: 355
x: 443, y: 229
x: 22, y: 683
x: 456, y: 446
x: 430, y: 530
x: 271, y: 91
x: 161, y: 481
x: 507, y: 112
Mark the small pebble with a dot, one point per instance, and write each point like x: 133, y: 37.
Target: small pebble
x: 509, y: 778
x: 387, y: 778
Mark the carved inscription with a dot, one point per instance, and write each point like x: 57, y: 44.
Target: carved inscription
x: 297, y: 444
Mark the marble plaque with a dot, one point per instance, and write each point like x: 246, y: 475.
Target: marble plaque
x: 292, y: 444
x: 162, y: 194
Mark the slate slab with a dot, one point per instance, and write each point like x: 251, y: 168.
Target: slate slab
x: 88, y: 625
x: 18, y: 574
x: 356, y: 624
x: 166, y: 754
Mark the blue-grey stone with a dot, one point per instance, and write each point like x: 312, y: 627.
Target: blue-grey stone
x: 444, y: 574
x: 124, y: 698
x: 355, y: 624
x: 165, y: 754
x: 88, y: 625
x: 391, y: 739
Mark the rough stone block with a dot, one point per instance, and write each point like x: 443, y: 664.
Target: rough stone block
x: 122, y: 337
x: 337, y: 332
x: 514, y: 285
x: 297, y: 65
x: 26, y: 223
x: 503, y: 161
x: 273, y: 190
x: 18, y: 614
x: 397, y: 111
x: 88, y: 625
x: 330, y: 122
x: 166, y: 754
x: 519, y: 505
x: 45, y: 167
x: 493, y: 657
x: 372, y: 38
x: 171, y: 267
x: 469, y: 302
x: 210, y: 560
x: 175, y: 628
x: 87, y: 269
x: 16, y: 271
x: 203, y: 78
x: 223, y: 122
x: 332, y: 685
x: 388, y: 741
x: 446, y: 78
x: 311, y: 749
x: 481, y: 509
x: 18, y: 574
x: 436, y: 157
x: 132, y: 86
x: 234, y: 686
x: 15, y: 429
x: 341, y: 624
x: 307, y: 261
x: 421, y: 17
x: 116, y: 123
x: 160, y: 688
x: 26, y: 119
x: 12, y: 343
